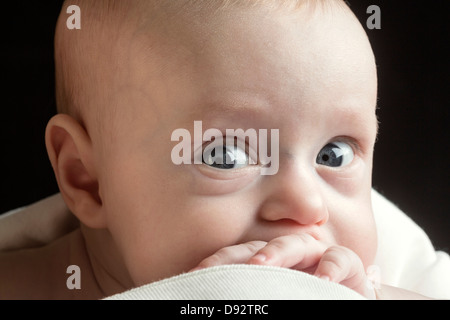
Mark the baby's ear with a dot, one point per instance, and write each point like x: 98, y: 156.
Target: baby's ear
x: 70, y: 151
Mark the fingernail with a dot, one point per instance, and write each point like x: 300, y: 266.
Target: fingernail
x: 326, y: 278
x: 196, y: 269
x: 259, y: 257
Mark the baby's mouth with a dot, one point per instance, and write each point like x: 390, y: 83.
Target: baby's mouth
x: 284, y: 227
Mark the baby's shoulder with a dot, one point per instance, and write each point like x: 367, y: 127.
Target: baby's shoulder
x: 34, y: 273
x: 20, y: 276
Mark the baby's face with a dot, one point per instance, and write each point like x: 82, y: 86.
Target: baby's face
x: 311, y: 76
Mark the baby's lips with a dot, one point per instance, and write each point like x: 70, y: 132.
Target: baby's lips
x: 285, y: 227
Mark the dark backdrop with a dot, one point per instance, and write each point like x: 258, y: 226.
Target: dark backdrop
x: 412, y: 158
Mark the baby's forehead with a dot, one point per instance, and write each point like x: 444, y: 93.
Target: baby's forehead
x: 162, y: 31
x: 256, y: 47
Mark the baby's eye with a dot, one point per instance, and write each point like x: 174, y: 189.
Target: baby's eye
x: 335, y: 154
x: 231, y: 157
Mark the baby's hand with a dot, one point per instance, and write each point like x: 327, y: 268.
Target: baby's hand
x: 301, y: 252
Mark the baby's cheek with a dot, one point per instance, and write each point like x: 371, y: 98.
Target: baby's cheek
x: 356, y: 230
x: 364, y: 242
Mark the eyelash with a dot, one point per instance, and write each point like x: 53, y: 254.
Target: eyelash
x: 353, y: 143
x: 356, y: 146
x: 251, y: 160
x: 250, y: 154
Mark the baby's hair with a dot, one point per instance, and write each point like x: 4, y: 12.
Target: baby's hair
x: 85, y: 60
x: 77, y: 53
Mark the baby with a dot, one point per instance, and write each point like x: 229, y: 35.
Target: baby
x: 139, y: 70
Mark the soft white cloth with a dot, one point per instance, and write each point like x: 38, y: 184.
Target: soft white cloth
x: 36, y: 225
x: 241, y: 282
x: 405, y: 258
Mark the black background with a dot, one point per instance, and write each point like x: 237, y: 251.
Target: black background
x: 412, y: 157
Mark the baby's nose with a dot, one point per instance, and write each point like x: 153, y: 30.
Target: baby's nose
x: 296, y: 194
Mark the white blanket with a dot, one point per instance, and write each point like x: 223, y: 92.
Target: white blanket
x: 241, y: 282
x: 405, y: 258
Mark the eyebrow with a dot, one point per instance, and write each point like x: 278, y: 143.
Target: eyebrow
x: 239, y: 105
x: 235, y: 109
x: 240, y: 110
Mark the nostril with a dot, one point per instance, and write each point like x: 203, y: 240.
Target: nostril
x: 298, y: 199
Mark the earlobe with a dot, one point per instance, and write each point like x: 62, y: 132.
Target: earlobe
x: 70, y: 151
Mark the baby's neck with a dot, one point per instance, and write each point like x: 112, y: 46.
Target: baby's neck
x: 105, y: 264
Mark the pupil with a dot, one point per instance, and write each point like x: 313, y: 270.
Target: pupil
x: 227, y: 162
x: 325, y: 157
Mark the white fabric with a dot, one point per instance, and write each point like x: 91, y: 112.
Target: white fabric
x: 36, y: 225
x: 241, y: 282
x: 405, y: 258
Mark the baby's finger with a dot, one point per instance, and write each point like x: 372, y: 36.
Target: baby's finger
x: 342, y: 265
x: 239, y: 253
x: 297, y: 251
